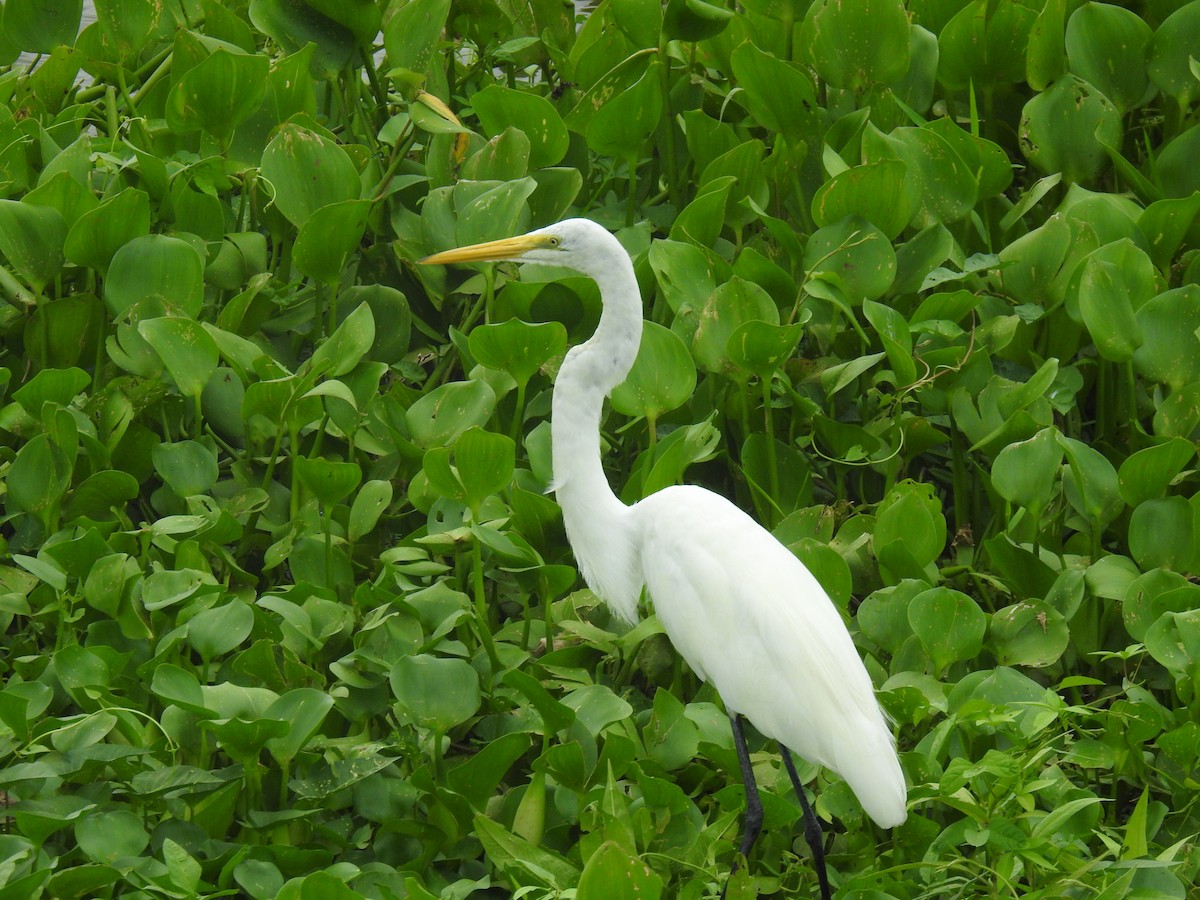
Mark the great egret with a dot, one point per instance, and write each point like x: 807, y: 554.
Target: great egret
x: 740, y: 608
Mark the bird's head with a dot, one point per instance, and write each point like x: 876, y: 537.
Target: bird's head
x: 578, y: 244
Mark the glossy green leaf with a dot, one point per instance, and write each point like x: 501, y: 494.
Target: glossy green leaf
x: 440, y: 416
x: 37, y: 26
x: 1161, y: 533
x: 189, y: 467
x: 1168, y: 57
x: 1065, y: 129
x: 728, y: 307
x: 694, y: 20
x: 411, y: 34
x: 499, y: 108
x: 218, y: 94
x: 1106, y: 46
x: 857, y: 44
x: 157, y: 267
x: 612, y: 872
x: 497, y: 212
x: 985, y: 44
x: 1113, y: 281
x: 128, y: 25
x: 1028, y: 634
x: 855, y: 256
x: 328, y: 237
x: 1147, y: 474
x: 112, y: 835
x: 762, y: 347
x: 628, y: 118
x: 434, y: 692
x: 518, y: 348
x: 1024, y: 472
x: 288, y: 164
x: 663, y: 376
x: 950, y: 625
x: 369, y: 504
x: 98, y: 234
x: 185, y: 348
x: 304, y: 709
x: 31, y: 240
x: 218, y: 630
x: 1168, y: 353
x: 874, y: 192
x: 1090, y: 483
x: 329, y: 480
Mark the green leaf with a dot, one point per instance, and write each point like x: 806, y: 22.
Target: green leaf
x: 189, y: 467
x: 109, y: 836
x: 304, y: 709
x: 985, y: 44
x: 516, y: 347
x: 731, y: 305
x: 185, y: 348
x: 342, y: 351
x: 1066, y: 128
x: 1113, y: 281
x: 1106, y: 46
x: 762, y: 347
x: 499, y: 108
x: 1024, y: 472
x: 857, y: 43
x: 216, y: 631
x: 218, y: 94
x: 950, y: 625
x: 38, y: 26
x: 874, y: 192
x: 910, y: 517
x: 855, y: 256
x: 412, y: 33
x: 694, y: 20
x: 1161, y: 533
x: 98, y: 234
x: 128, y: 25
x: 38, y: 477
x: 513, y: 854
x: 433, y: 692
x: 159, y: 268
x: 1169, y: 350
x: 440, y: 416
x: 779, y: 95
x: 369, y: 504
x: 494, y: 213
x: 31, y: 239
x: 619, y: 127
x: 663, y: 376
x: 1148, y: 473
x: 330, y: 481
x: 1028, y: 634
x: 612, y: 873
x: 288, y: 164
x: 328, y: 237
x: 1168, y: 58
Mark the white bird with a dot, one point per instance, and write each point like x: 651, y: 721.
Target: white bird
x: 741, y: 609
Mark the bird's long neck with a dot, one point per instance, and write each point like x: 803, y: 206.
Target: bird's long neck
x: 599, y: 526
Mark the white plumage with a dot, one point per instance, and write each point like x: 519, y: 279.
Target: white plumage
x: 744, y: 613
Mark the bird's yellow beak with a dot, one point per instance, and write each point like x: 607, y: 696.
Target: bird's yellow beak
x: 505, y: 248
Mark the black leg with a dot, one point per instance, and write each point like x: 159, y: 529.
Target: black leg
x: 812, y: 825
x: 754, y: 810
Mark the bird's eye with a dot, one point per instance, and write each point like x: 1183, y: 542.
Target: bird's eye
x: 554, y: 241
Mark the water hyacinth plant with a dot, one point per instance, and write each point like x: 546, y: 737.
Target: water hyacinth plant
x: 285, y: 607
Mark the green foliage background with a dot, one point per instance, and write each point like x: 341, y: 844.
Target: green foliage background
x: 286, y: 610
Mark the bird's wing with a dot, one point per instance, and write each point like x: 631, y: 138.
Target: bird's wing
x: 752, y: 621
